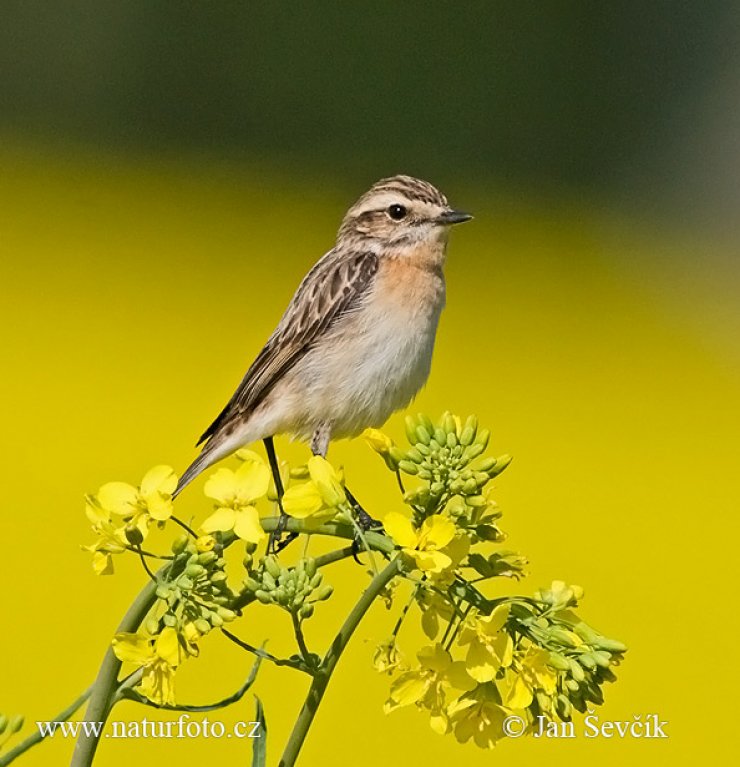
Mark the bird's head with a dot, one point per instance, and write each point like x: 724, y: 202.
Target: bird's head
x: 399, y: 212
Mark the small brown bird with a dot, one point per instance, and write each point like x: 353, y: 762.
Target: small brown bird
x: 355, y: 343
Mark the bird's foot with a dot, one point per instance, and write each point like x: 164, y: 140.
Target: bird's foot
x: 279, y: 538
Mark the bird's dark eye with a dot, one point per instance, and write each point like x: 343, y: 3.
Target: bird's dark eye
x: 397, y: 212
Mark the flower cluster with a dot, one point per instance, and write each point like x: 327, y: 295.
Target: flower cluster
x: 121, y: 514
x: 485, y: 658
x: 532, y: 656
x: 295, y: 589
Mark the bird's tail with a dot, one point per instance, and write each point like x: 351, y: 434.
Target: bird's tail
x: 214, y: 450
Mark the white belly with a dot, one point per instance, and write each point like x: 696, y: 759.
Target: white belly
x: 370, y: 365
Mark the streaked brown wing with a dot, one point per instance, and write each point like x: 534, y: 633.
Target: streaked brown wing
x: 333, y: 288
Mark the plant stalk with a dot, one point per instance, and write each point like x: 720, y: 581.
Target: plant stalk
x: 330, y: 660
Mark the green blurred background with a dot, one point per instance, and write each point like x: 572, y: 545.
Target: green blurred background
x: 168, y: 172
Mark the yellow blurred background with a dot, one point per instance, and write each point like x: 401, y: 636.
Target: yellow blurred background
x: 168, y: 173
x: 134, y: 295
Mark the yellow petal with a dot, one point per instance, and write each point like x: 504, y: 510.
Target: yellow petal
x: 494, y: 622
x: 252, y: 481
x: 102, y: 563
x: 159, y: 479
x: 118, y: 498
x: 408, y: 688
x: 400, y: 529
x: 221, y: 486
x: 301, y: 501
x: 326, y: 480
x: 437, y: 531
x: 222, y: 519
x: 430, y: 561
x: 434, y: 657
x: 167, y: 646
x: 518, y: 694
x: 247, y: 525
x: 159, y: 506
x: 481, y: 663
x: 95, y: 513
x: 248, y: 455
x: 378, y: 441
x: 133, y: 648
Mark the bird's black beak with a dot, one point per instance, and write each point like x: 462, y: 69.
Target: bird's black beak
x: 450, y: 217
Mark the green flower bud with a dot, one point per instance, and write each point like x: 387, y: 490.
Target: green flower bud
x: 470, y: 487
x: 424, y: 474
x: 482, y: 438
x: 207, y: 557
x: 451, y: 440
x: 133, y: 535
x: 184, y: 582
x: 602, y: 658
x: 203, y: 626
x: 408, y: 466
x: 414, y: 455
x: 169, y: 620
x: 306, y: 610
x: 325, y: 593
x: 226, y: 614
x: 316, y: 580
x: 563, y: 707
x: 440, y: 436
x: 423, y: 436
x: 572, y: 685
x: 487, y: 464
x: 15, y: 723
x: 272, y: 566
x: 179, y: 544
x: 436, y: 488
x: 587, y: 660
x: 297, y: 601
x: 426, y: 422
x: 558, y: 661
x: 576, y: 670
x: 263, y: 597
x: 476, y: 501
x: 216, y: 620
x: 268, y: 581
x: 151, y: 626
x: 310, y: 567
x: 473, y: 451
x: 194, y: 571
x: 251, y: 584
x: 410, y: 424
x: 609, y: 644
x: 162, y: 591
x: 218, y: 576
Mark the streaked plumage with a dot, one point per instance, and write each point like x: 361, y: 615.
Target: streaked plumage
x: 355, y: 343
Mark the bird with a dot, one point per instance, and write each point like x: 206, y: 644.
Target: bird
x: 356, y: 340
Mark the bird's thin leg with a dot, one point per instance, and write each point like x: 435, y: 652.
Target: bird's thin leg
x: 363, y: 521
x: 275, y: 544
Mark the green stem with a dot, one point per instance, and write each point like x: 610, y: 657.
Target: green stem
x: 328, y: 664
x: 106, y: 683
x: 301, y: 640
x: 37, y: 737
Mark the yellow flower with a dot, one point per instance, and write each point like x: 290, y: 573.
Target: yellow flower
x: 527, y: 675
x: 320, y: 497
x: 434, y: 607
x: 490, y: 648
x: 479, y: 715
x: 111, y: 538
x: 159, y: 656
x: 423, y: 545
x: 427, y: 685
x: 235, y: 493
x: 138, y: 507
x: 383, y: 446
x: 387, y: 657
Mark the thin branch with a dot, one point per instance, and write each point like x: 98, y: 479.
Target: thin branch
x: 131, y: 694
x: 37, y: 736
x: 328, y: 664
